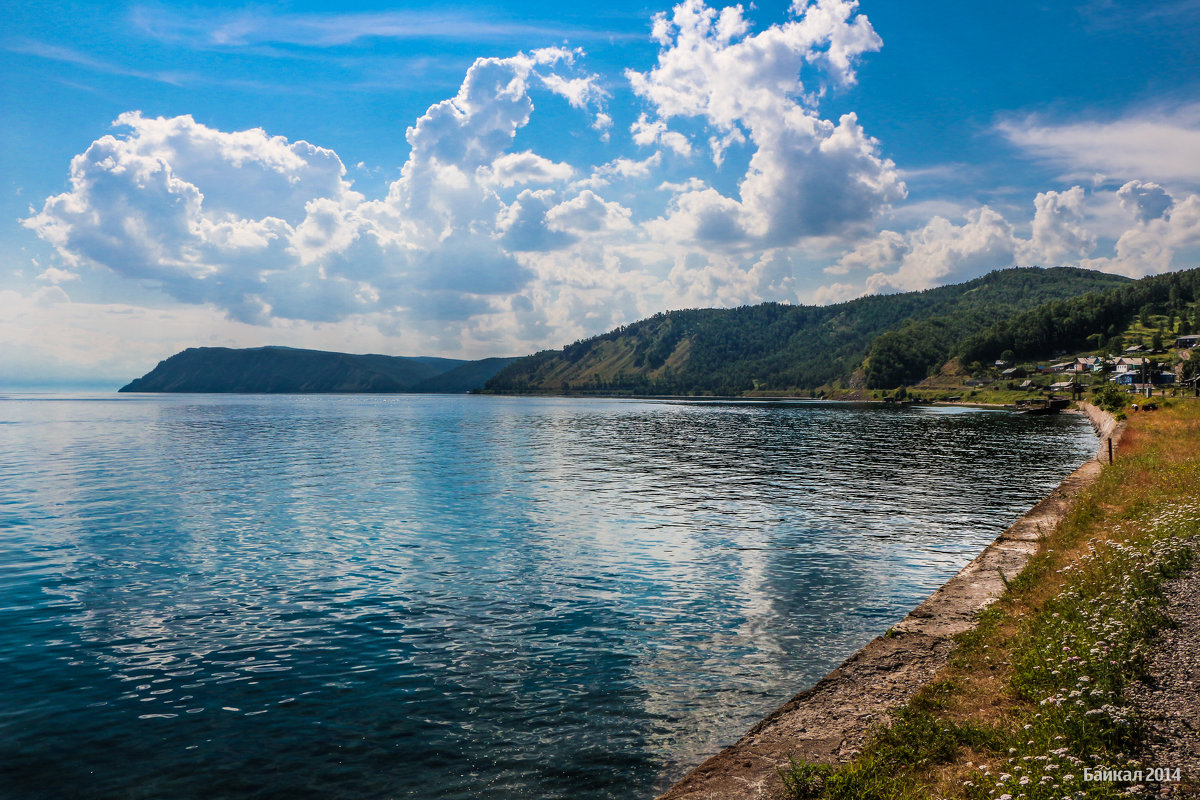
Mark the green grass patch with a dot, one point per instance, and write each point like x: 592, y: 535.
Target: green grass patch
x: 1034, y: 696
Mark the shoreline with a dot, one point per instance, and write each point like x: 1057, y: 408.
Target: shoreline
x: 828, y: 722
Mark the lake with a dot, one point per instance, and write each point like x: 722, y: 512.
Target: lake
x: 421, y: 596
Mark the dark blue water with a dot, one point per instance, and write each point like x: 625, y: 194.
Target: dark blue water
x: 458, y: 597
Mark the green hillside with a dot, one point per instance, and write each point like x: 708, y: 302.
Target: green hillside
x: 466, y: 377
x: 1168, y: 304
x: 775, y: 348
x: 288, y: 370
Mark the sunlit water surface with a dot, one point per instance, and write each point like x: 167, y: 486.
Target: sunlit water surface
x: 459, y: 597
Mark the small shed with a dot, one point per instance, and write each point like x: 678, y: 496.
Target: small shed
x: 1187, y: 342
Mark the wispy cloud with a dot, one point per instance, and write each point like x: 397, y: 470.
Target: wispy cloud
x: 258, y: 27
x: 1156, y: 144
x: 1120, y: 14
x: 365, y: 74
x: 69, y: 56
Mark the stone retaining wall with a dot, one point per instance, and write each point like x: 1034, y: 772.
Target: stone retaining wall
x: 828, y: 722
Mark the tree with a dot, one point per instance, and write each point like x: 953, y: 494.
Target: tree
x: 1110, y: 397
x: 1156, y: 341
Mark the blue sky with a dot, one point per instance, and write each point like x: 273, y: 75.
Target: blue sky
x: 471, y: 180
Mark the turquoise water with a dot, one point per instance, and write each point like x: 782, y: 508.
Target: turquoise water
x: 459, y: 597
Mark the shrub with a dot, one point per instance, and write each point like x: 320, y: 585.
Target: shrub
x: 1110, y: 397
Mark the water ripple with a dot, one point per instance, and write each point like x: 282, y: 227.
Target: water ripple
x: 451, y: 597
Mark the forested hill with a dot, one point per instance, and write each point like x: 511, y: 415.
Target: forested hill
x: 781, y: 348
x: 286, y: 369
x: 1086, y: 322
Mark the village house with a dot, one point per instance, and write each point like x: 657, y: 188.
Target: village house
x: 1133, y: 378
x: 1127, y: 364
x: 1187, y: 342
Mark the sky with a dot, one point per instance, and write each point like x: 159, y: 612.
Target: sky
x: 471, y: 180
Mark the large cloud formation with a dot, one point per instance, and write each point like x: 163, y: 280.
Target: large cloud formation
x: 483, y: 245
x: 263, y: 227
x: 478, y: 232
x: 1156, y: 227
x: 808, y: 176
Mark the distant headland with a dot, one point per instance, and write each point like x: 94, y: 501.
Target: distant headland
x: 286, y: 370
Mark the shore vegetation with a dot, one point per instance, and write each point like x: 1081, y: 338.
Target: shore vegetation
x: 1033, y: 704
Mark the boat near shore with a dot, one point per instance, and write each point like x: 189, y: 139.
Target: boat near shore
x: 1052, y: 405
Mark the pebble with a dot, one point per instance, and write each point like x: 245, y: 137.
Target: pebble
x: 1167, y: 700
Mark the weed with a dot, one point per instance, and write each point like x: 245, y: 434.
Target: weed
x: 1035, y: 693
x: 804, y: 780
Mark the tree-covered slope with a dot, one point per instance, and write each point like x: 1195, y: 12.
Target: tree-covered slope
x: 465, y: 377
x: 778, y: 348
x: 1077, y: 322
x: 285, y: 369
x: 910, y: 353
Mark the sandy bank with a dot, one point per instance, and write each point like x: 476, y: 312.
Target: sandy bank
x: 828, y: 722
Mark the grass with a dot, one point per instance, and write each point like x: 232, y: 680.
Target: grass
x: 1034, y: 695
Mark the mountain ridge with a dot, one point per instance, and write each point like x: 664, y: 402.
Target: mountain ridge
x: 769, y: 349
x: 288, y: 370
x: 776, y: 348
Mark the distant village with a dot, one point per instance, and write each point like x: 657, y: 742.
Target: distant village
x: 1139, y: 368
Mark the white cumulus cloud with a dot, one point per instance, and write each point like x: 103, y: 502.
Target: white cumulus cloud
x: 588, y: 212
x: 1062, y: 232
x: 807, y: 176
x: 1059, y: 235
x: 265, y: 228
x: 1147, y: 201
x: 942, y: 252
x: 524, y: 168
x: 647, y: 132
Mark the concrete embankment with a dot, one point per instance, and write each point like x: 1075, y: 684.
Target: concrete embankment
x: 828, y: 722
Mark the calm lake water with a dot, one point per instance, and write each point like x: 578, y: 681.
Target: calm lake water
x: 459, y: 597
